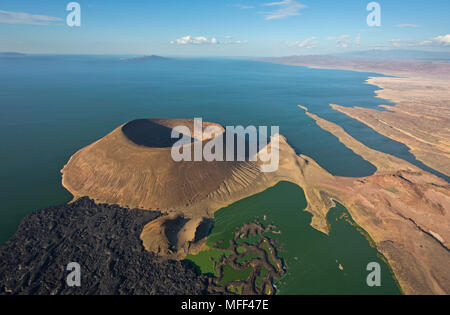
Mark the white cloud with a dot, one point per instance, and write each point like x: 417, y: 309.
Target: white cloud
x: 358, y: 40
x: 398, y: 43
x: 236, y: 42
x: 200, y: 40
x: 343, y: 41
x: 286, y: 8
x: 407, y: 25
x: 26, y: 18
x: 379, y: 47
x: 346, y: 41
x: 437, y: 41
x: 443, y: 40
x: 230, y: 41
x: 308, y: 43
x: 186, y: 40
x: 243, y: 6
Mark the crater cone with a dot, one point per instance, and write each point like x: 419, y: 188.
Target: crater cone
x: 133, y: 167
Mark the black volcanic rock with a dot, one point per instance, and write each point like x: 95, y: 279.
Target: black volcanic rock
x: 104, y: 240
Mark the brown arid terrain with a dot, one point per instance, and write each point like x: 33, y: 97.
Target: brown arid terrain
x: 406, y: 68
x: 421, y: 90
x: 403, y: 208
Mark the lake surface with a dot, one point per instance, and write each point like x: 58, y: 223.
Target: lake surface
x: 52, y: 106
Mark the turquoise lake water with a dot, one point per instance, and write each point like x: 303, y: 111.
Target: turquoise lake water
x: 51, y: 106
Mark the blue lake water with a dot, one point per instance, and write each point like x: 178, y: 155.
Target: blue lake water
x: 51, y: 106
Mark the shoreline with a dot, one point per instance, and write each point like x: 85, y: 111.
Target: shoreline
x: 410, y: 96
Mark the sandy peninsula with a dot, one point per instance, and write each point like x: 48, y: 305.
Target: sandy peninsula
x: 420, y: 90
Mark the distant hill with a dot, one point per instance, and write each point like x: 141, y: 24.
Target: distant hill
x: 142, y: 58
x: 10, y: 54
x: 396, y: 67
x: 399, y: 54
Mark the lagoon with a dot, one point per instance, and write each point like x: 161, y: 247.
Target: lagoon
x: 316, y: 263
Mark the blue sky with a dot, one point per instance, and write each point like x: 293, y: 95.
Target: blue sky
x: 222, y: 27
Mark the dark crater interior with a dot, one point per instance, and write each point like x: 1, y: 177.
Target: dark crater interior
x: 171, y: 228
x: 145, y: 132
x: 148, y: 133
x: 204, y: 229
x: 104, y: 240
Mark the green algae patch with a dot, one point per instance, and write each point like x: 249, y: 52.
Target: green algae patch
x: 240, y: 249
x: 209, y: 261
x: 251, y: 240
x: 247, y: 258
x: 230, y: 274
x: 235, y: 289
x: 262, y: 274
x: 300, y: 259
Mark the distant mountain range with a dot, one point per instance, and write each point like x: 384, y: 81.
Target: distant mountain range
x: 10, y: 54
x: 142, y: 58
x: 399, y: 54
x: 377, y: 63
x: 375, y: 54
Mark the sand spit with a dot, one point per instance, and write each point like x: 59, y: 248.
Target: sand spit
x: 420, y: 119
x: 421, y: 90
x: 404, y: 209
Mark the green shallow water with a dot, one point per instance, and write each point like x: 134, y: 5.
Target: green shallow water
x: 312, y: 258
